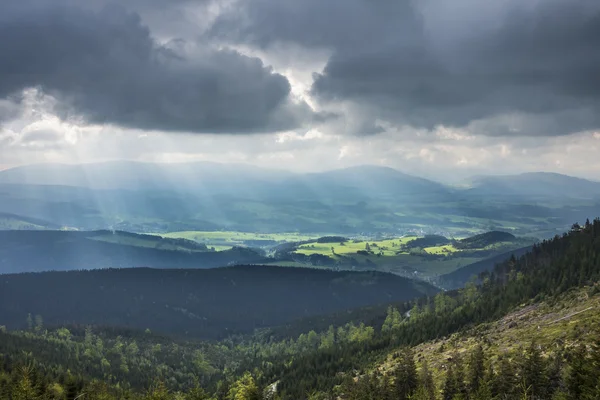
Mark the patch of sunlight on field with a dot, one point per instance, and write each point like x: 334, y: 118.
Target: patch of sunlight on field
x: 445, y: 249
x: 224, y: 240
x: 388, y: 247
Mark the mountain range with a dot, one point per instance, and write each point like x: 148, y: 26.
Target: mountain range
x: 144, y: 197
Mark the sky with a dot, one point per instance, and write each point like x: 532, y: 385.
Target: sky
x: 437, y: 88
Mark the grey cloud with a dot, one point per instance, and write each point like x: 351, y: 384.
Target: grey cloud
x: 41, y: 136
x: 538, y: 59
x: 335, y: 24
x: 105, y: 66
x: 8, y: 110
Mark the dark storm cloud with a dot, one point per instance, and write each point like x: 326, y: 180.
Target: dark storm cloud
x: 540, y: 59
x: 336, y: 24
x: 103, y: 65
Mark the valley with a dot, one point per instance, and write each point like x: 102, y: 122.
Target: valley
x: 533, y: 313
x: 337, y: 285
x: 427, y: 258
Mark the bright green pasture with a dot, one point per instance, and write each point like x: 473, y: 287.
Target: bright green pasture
x: 388, y: 247
x: 223, y: 240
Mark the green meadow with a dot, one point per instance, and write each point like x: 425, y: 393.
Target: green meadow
x: 388, y: 247
x: 224, y: 240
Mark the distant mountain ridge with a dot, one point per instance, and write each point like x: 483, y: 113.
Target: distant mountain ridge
x: 146, y: 197
x: 142, y: 175
x: 536, y: 184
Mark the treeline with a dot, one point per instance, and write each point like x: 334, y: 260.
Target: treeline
x: 132, y: 359
x: 530, y: 373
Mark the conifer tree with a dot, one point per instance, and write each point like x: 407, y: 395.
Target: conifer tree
x: 406, y: 380
x: 505, y: 381
x: 426, y: 381
x: 459, y: 375
x: 476, y: 373
x: 244, y: 388
x: 533, y: 371
x: 580, y: 381
x: 449, y: 390
x: 24, y: 388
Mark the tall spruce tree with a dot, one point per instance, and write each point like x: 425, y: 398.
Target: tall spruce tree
x: 449, y: 390
x: 406, y: 379
x: 426, y: 381
x: 476, y: 374
x: 533, y: 372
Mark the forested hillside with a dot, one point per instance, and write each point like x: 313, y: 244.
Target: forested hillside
x: 458, y: 278
x: 30, y: 251
x: 551, y: 268
x: 195, y: 303
x: 529, y: 331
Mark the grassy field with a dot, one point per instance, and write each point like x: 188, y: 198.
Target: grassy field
x: 445, y: 249
x: 388, y: 255
x: 223, y: 240
x: 392, y: 255
x: 386, y: 247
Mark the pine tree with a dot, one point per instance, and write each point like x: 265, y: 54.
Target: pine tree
x: 483, y: 392
x: 421, y: 394
x: 581, y: 379
x: 426, y: 381
x: 554, y: 374
x: 197, y: 393
x: 39, y: 323
x: 476, y: 369
x: 459, y: 375
x: 406, y: 380
x: 24, y: 388
x: 505, y: 380
x: 96, y: 391
x: 29, y: 322
x: 449, y: 390
x: 158, y: 391
x: 533, y: 372
x: 244, y: 388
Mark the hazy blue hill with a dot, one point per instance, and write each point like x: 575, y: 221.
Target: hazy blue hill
x: 157, y: 197
x: 145, y: 197
x: 29, y: 251
x: 205, y: 303
x: 142, y: 176
x: 10, y: 221
x: 536, y: 185
x: 212, y: 177
x: 378, y: 182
